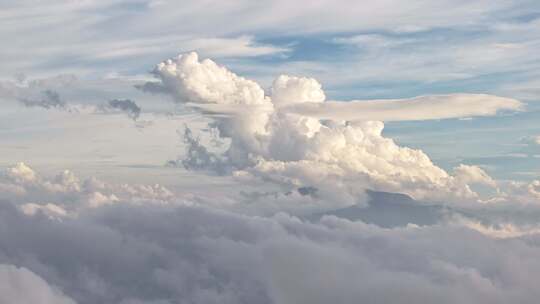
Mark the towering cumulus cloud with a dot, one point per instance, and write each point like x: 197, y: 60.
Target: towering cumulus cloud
x: 282, y: 138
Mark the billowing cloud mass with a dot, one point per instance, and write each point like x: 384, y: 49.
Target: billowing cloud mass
x: 65, y: 194
x: 282, y: 138
x: 182, y: 254
x: 63, y: 240
x: 207, y: 82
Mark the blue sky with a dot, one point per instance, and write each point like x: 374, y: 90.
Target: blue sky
x: 441, y: 48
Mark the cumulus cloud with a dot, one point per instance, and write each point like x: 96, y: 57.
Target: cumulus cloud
x: 473, y: 174
x: 338, y: 148
x: 520, y: 191
x: 21, y: 173
x: 290, y: 89
x: 206, y: 82
x: 65, y: 194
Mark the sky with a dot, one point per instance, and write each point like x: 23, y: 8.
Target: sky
x: 157, y: 151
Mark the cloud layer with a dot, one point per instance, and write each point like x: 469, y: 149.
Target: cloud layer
x: 63, y: 240
x: 167, y: 254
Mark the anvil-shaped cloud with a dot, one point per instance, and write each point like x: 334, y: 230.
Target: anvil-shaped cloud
x: 294, y: 137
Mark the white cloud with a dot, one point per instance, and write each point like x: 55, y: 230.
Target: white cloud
x: 473, y: 174
x: 65, y: 194
x: 21, y: 173
x: 417, y: 108
x: 287, y: 90
x: 500, y: 230
x: 340, y: 159
x: 523, y: 191
x: 50, y: 210
x: 21, y: 286
x: 207, y: 82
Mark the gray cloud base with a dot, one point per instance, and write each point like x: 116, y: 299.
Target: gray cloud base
x: 166, y: 254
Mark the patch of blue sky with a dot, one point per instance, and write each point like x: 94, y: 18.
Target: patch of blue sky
x: 495, y: 143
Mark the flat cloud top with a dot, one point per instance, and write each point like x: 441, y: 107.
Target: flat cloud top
x: 417, y: 108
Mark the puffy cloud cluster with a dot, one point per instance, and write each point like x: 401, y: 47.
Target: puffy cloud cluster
x: 295, y: 138
x: 206, y: 82
x: 522, y: 191
x: 473, y: 174
x: 287, y: 89
x: 65, y: 194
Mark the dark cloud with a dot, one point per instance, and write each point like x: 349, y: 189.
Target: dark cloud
x: 307, y: 190
x: 152, y: 87
x: 49, y: 99
x: 198, y: 157
x: 127, y: 106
